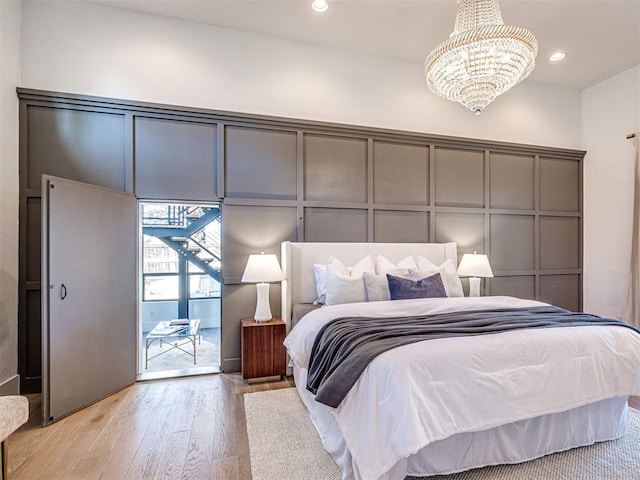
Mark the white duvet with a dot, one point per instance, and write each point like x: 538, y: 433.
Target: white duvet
x: 414, y: 395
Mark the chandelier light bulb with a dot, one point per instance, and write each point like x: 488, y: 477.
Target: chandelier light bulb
x: 482, y: 58
x: 320, y: 5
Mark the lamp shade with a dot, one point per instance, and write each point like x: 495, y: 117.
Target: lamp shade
x: 475, y: 265
x: 262, y: 268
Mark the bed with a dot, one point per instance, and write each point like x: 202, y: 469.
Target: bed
x: 464, y: 402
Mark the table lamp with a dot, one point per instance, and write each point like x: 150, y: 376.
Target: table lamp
x: 474, y: 265
x: 261, y: 269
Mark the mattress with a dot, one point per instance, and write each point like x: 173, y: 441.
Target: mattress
x: 499, y: 398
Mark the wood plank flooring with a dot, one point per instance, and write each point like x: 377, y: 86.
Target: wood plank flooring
x: 190, y: 428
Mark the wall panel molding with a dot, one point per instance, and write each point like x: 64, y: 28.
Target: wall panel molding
x: 303, y: 180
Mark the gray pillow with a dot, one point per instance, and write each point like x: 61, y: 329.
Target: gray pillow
x: 403, y: 288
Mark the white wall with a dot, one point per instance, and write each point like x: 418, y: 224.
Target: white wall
x: 10, y: 19
x: 97, y: 50
x: 610, y: 111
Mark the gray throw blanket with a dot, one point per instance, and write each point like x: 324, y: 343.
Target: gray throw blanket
x: 345, y: 346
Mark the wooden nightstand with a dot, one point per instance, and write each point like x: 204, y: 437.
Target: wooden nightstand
x: 263, y: 354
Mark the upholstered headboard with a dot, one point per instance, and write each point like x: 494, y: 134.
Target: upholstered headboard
x: 298, y: 258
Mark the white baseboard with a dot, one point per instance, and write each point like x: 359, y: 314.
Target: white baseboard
x: 10, y: 386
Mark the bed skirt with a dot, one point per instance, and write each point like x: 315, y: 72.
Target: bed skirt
x: 512, y: 443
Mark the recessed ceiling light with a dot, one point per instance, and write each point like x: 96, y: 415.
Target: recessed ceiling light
x: 320, y: 5
x: 557, y: 56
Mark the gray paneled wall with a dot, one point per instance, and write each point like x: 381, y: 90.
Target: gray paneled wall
x: 174, y: 159
x: 282, y: 179
x: 80, y: 145
x: 273, y: 177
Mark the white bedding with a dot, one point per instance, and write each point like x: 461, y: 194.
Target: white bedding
x: 415, y: 395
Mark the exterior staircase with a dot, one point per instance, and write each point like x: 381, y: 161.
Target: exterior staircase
x: 182, y: 228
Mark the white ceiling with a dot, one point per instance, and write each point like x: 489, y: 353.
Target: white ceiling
x: 601, y: 37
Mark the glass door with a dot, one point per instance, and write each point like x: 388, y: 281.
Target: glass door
x: 180, y: 285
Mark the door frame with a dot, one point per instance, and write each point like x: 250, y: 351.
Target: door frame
x: 141, y: 374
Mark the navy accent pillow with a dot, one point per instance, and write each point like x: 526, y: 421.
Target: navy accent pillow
x: 428, y: 287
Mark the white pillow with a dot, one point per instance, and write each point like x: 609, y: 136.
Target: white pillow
x: 320, y: 272
x: 384, y: 266
x: 346, y: 285
x: 447, y: 271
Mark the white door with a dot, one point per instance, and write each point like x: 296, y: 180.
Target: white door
x: 88, y: 294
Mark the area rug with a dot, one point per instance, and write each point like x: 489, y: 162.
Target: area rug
x: 284, y: 445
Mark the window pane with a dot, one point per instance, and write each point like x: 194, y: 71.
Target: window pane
x: 205, y: 243
x: 160, y: 287
x: 193, y: 268
x: 158, y: 257
x: 211, y: 238
x: 203, y: 286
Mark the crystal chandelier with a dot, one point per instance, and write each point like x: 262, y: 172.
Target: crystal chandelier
x: 483, y: 57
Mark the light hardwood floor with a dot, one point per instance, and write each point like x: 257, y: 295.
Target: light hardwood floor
x: 190, y: 428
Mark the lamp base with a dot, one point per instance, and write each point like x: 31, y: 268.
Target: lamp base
x: 474, y: 287
x: 263, y: 310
